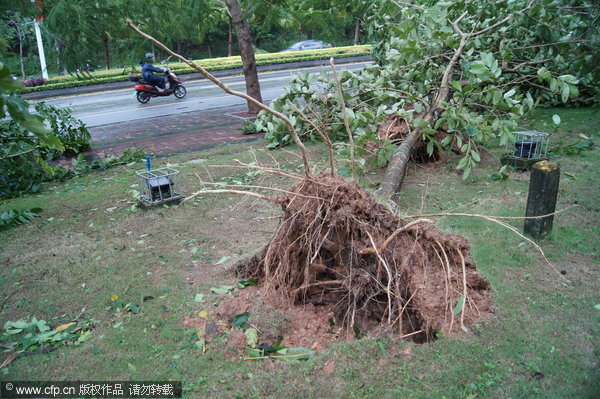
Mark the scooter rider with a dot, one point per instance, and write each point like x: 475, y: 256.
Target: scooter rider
x: 147, y: 72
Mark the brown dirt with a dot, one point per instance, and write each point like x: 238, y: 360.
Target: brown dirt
x: 306, y: 326
x: 323, y: 255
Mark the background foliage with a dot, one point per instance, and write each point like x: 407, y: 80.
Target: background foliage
x: 95, y: 36
x: 517, y: 62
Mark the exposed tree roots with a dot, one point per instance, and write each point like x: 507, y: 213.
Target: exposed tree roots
x: 339, y: 247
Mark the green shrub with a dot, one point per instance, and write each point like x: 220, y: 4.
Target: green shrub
x: 71, y: 131
x: 23, y: 157
x: 22, y: 161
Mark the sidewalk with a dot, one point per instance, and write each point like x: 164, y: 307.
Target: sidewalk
x: 173, y: 134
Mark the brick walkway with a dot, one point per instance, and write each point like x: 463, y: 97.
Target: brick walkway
x: 173, y: 134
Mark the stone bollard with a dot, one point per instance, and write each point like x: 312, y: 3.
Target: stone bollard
x: 541, y: 200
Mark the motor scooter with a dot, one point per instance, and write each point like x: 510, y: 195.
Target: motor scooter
x: 144, y: 91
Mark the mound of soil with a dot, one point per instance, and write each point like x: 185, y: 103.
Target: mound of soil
x: 339, y: 248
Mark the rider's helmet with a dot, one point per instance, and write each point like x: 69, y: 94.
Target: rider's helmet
x: 149, y: 56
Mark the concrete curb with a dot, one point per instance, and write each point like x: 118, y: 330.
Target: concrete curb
x: 189, y: 77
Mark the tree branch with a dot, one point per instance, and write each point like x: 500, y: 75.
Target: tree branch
x: 241, y: 192
x: 343, y: 103
x: 230, y: 91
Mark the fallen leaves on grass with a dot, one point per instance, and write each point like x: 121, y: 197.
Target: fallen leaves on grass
x: 36, y: 336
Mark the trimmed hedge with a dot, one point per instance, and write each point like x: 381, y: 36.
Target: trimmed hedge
x: 211, y: 64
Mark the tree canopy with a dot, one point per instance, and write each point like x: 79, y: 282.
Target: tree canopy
x: 469, y: 70
x: 78, y: 33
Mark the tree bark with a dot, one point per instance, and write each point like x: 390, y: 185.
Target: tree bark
x: 242, y: 29
x: 357, y: 29
x: 20, y: 37
x: 230, y: 38
x: 106, y: 53
x: 21, y: 54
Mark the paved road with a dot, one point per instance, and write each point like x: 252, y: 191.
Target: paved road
x: 120, y: 106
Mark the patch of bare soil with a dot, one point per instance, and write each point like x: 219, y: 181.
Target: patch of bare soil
x: 306, y: 326
x: 342, y: 252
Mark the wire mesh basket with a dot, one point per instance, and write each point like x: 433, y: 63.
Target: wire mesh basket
x: 528, y: 145
x: 159, y: 186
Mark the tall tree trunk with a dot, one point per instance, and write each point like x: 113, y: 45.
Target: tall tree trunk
x: 242, y: 29
x: 21, y: 51
x: 230, y: 38
x: 179, y: 46
x: 357, y: 32
x: 309, y: 35
x: 106, y: 53
x: 299, y: 32
x: 208, y: 48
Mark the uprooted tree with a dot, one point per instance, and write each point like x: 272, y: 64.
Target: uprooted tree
x: 340, y: 248
x: 452, y: 76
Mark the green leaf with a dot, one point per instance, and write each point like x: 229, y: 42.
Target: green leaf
x: 420, y: 123
x: 556, y: 119
x: 245, y: 283
x: 84, y: 337
x: 350, y: 114
x: 472, y: 130
x: 459, y: 305
x: 299, y: 353
x: 133, y: 307
x: 199, y: 298
x: 478, y: 69
x: 254, y: 353
x: 467, y: 172
x: 509, y: 93
x: 487, y: 58
x: 565, y: 93
x: 251, y: 337
x: 571, y: 175
x: 240, y: 319
x: 569, y: 79
x: 223, y: 260
x: 224, y: 289
x: 497, y: 97
x: 200, y: 345
x: 498, y: 176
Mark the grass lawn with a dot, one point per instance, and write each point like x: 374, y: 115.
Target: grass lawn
x: 89, y: 254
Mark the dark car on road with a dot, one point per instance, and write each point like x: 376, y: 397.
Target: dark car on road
x: 307, y: 45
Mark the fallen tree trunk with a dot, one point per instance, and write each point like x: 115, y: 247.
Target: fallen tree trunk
x: 396, y: 170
